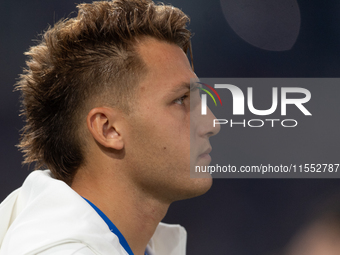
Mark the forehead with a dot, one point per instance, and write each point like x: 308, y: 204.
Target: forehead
x: 167, y: 64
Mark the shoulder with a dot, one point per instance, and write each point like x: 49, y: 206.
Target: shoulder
x: 68, y: 249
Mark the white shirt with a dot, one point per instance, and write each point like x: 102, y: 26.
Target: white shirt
x: 46, y: 217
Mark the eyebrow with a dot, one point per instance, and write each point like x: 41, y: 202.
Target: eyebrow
x: 186, y: 86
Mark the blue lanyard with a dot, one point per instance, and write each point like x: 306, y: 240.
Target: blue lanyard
x: 112, y: 228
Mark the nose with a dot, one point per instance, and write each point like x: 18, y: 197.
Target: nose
x: 207, y: 127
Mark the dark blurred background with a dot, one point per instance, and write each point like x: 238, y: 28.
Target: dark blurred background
x: 233, y: 38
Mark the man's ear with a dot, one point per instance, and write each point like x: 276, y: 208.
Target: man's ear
x: 103, y: 124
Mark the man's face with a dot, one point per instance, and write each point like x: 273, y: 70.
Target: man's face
x: 158, y: 145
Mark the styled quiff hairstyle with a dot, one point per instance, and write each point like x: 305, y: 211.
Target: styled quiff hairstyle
x: 81, y: 62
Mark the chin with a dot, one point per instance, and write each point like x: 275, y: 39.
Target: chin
x: 197, y: 187
x: 203, y: 185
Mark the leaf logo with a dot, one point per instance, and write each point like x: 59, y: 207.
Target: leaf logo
x: 204, y: 97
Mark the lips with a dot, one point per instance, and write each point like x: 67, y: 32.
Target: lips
x: 207, y: 151
x: 205, y: 154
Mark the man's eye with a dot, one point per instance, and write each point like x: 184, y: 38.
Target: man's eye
x: 180, y: 100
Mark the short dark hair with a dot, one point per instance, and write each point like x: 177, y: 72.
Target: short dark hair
x: 80, y: 61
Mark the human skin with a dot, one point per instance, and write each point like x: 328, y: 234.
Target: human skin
x: 320, y: 238
x: 137, y: 164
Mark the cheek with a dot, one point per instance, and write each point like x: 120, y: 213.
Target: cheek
x: 174, y: 123
x: 164, y: 131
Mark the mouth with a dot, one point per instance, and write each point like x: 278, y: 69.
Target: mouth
x: 205, y: 155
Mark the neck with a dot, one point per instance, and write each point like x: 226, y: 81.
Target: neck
x: 134, y: 213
